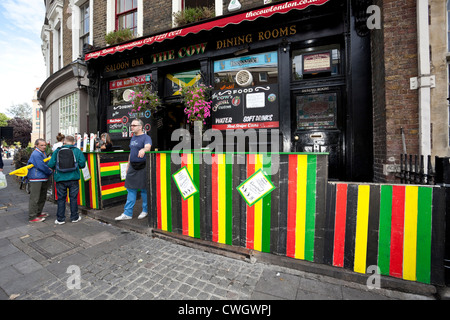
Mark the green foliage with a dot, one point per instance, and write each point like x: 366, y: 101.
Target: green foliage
x: 118, y: 36
x: 3, y: 120
x: 191, y: 15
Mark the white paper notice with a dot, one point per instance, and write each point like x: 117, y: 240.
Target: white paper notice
x: 184, y: 183
x: 255, y: 100
x: 123, y: 170
x: 255, y: 187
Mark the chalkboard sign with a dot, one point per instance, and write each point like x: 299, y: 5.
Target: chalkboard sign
x: 119, y: 118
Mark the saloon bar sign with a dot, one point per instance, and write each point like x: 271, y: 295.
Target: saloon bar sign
x: 245, y: 94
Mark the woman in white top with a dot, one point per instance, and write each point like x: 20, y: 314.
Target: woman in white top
x: 60, y: 138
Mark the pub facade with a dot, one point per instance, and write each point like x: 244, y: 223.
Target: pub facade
x: 299, y: 70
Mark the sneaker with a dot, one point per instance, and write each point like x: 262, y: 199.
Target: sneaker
x: 59, y: 222
x: 38, y: 219
x: 43, y: 215
x: 123, y: 216
x: 79, y: 218
x: 143, y: 215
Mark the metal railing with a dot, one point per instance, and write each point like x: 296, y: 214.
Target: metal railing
x: 412, y: 170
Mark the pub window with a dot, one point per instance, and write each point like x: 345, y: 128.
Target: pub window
x: 176, y: 81
x: 126, y: 15
x: 316, y: 111
x: 120, y: 89
x: 316, y: 62
x: 245, y: 92
x: 68, y: 114
x: 84, y: 24
x: 258, y: 70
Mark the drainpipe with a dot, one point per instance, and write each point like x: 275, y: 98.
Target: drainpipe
x: 424, y: 82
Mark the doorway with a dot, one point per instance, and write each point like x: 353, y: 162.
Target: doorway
x: 318, y: 126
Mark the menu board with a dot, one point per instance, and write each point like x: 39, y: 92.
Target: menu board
x: 244, y: 105
x: 119, y: 119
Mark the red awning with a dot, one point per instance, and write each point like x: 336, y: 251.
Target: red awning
x: 220, y: 23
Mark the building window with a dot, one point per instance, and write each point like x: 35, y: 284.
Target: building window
x: 58, y: 52
x: 84, y: 24
x: 198, y: 3
x: 316, y: 62
x: 68, y: 114
x: 48, y: 125
x: 126, y: 15
x: 448, y: 25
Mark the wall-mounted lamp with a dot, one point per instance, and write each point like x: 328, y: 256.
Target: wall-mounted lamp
x: 79, y: 69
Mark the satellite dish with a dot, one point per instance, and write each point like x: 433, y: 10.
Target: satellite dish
x: 244, y: 78
x: 127, y: 95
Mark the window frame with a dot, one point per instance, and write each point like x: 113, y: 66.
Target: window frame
x: 69, y: 114
x: 84, y: 36
x: 119, y: 15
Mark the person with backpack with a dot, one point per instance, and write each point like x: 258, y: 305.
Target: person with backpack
x: 38, y: 177
x: 67, y: 161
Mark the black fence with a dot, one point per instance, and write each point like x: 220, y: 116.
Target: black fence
x: 412, y: 170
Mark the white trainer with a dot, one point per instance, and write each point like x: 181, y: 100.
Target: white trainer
x: 143, y: 215
x: 123, y: 216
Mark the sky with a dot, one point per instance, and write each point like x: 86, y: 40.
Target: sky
x: 22, y: 67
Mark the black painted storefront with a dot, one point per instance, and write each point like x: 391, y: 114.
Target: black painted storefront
x: 318, y: 110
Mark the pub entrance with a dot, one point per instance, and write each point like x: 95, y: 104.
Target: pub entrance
x: 318, y: 127
x: 318, y: 103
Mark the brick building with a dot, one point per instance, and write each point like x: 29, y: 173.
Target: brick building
x: 362, y: 95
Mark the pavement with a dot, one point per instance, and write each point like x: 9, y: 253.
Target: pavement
x: 100, y: 259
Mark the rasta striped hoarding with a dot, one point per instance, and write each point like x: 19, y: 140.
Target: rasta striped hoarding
x: 398, y: 228
x: 111, y: 187
x: 218, y: 212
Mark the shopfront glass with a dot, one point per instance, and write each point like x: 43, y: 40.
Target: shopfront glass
x: 245, y: 92
x: 120, y: 111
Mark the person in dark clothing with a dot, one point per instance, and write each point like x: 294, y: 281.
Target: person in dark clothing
x: 105, y: 143
x: 67, y: 180
x: 1, y: 160
x: 136, y: 174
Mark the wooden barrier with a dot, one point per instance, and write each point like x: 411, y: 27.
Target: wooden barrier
x: 400, y: 229
x: 105, y: 188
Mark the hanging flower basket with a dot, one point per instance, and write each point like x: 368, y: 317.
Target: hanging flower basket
x: 197, y: 102
x: 144, y: 100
